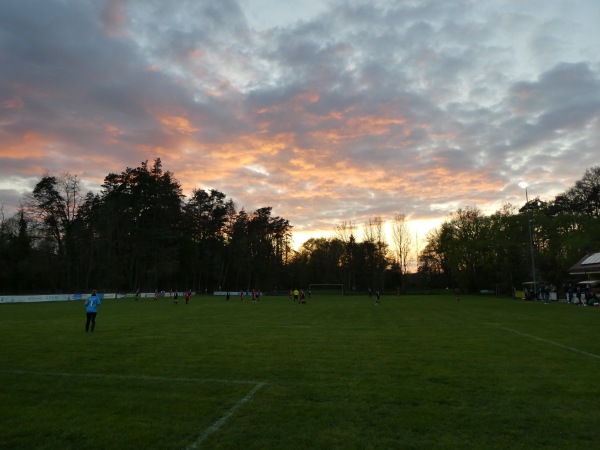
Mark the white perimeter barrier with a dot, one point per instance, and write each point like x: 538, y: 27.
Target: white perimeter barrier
x: 59, y: 297
x: 233, y: 293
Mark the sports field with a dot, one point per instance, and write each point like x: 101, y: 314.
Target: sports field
x: 420, y: 372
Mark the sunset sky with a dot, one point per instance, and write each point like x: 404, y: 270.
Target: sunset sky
x: 325, y: 111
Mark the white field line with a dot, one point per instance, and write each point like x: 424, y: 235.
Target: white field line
x: 219, y: 423
x: 573, y: 349
x: 205, y: 434
x: 128, y: 377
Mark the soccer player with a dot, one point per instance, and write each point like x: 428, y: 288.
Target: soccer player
x: 377, y: 298
x: 175, y: 296
x: 188, y: 293
x: 91, y: 309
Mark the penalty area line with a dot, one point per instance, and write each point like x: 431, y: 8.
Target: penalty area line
x: 573, y: 349
x: 219, y: 423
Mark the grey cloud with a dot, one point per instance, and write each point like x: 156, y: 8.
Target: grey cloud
x: 441, y: 82
x: 566, y: 97
x: 565, y: 84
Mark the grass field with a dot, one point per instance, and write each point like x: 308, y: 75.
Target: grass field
x: 338, y: 373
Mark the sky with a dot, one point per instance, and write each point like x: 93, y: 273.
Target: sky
x: 327, y: 111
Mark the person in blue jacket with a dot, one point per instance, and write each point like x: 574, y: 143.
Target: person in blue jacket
x: 91, y: 309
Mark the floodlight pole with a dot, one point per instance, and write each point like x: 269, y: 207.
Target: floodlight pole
x: 524, y: 185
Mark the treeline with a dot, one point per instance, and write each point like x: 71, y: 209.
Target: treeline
x: 469, y: 250
x: 473, y: 251
x: 139, y: 231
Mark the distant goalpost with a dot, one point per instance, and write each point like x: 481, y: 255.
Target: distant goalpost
x: 323, y: 288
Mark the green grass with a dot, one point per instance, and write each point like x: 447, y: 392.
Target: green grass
x: 339, y: 373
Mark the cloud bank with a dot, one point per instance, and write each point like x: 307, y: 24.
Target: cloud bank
x: 334, y: 111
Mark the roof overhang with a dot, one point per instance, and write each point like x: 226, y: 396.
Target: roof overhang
x: 589, y: 264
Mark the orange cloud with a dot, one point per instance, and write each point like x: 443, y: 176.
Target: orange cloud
x: 261, y: 143
x: 373, y: 125
x: 113, y: 19
x: 30, y: 145
x: 178, y: 123
x: 442, y: 181
x: 12, y: 103
x: 195, y: 54
x: 308, y: 97
x: 356, y: 127
x: 113, y: 133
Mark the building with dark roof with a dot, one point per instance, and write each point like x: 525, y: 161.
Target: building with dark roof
x: 589, y: 264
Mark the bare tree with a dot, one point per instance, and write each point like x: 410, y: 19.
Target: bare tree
x: 53, y: 207
x: 403, y: 244
x: 373, y: 230
x: 345, y: 233
x: 376, y: 243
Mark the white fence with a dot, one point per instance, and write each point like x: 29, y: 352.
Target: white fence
x: 60, y: 297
